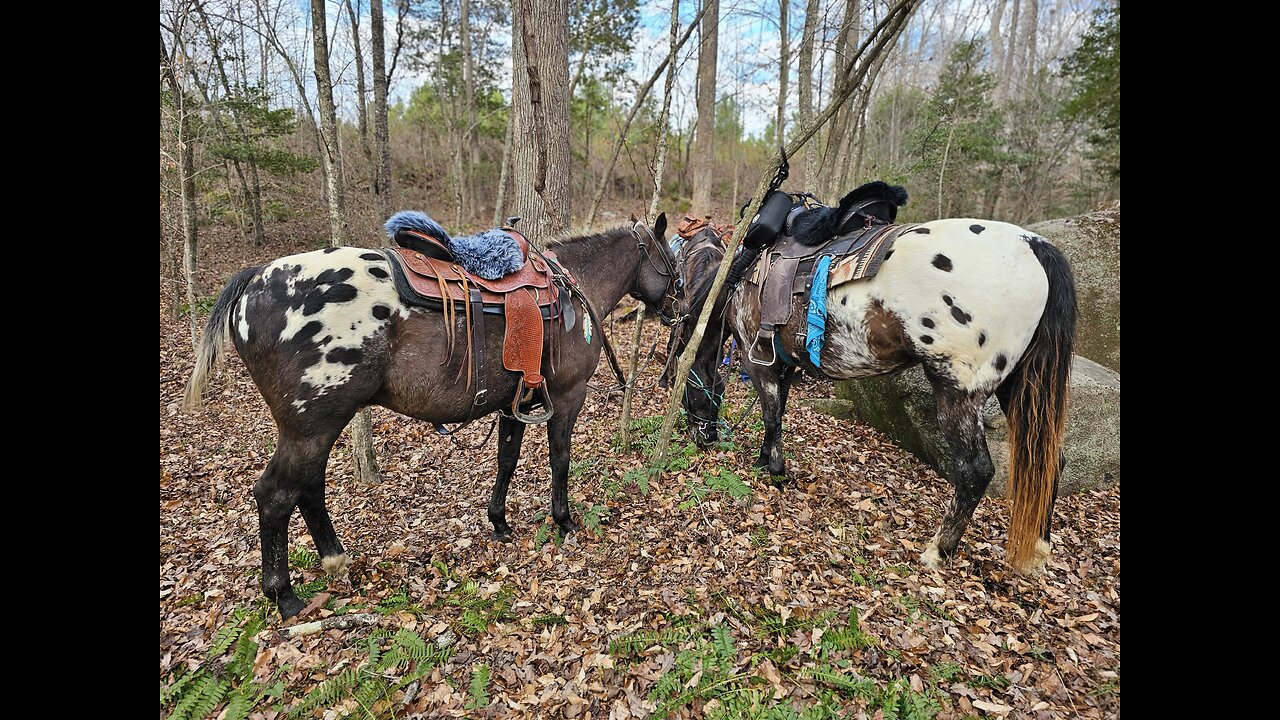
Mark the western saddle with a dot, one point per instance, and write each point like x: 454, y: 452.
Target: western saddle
x: 786, y: 269
x: 427, y: 274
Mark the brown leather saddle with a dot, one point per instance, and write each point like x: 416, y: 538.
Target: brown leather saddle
x: 427, y: 275
x: 786, y: 270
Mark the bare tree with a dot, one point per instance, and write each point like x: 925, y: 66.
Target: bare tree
x: 810, y: 153
x: 366, y: 462
x: 704, y: 145
x: 362, y: 114
x: 631, y: 116
x: 540, y: 107
x: 784, y: 61
x: 182, y: 114
x: 381, y: 80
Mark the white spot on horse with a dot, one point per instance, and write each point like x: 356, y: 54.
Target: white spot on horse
x: 931, y: 558
x: 242, y: 326
x: 335, y: 564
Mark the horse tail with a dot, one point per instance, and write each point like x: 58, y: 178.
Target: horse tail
x: 217, y: 330
x: 1037, y: 411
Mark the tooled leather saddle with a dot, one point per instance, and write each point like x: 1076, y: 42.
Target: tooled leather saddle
x: 427, y: 274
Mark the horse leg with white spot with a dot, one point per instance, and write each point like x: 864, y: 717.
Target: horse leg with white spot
x: 294, y: 478
x: 961, y: 424
x: 510, y: 435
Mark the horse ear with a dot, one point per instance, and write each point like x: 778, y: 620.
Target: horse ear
x: 633, y: 217
x: 660, y: 225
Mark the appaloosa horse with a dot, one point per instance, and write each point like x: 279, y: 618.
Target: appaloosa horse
x: 325, y: 333
x: 984, y: 306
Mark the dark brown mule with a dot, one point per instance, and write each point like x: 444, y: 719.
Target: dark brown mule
x: 325, y: 333
x: 983, y: 306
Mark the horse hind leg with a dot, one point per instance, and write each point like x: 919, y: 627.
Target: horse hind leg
x: 972, y: 469
x: 510, y: 436
x: 294, y: 478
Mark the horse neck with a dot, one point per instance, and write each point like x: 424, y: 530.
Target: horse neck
x: 604, y: 265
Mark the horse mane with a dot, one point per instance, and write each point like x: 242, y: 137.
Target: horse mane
x: 820, y: 224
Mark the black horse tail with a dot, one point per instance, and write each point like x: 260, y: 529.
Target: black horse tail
x: 217, y: 330
x: 1037, y: 412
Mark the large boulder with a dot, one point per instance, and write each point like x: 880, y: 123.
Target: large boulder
x: 1091, y: 243
x: 902, y: 405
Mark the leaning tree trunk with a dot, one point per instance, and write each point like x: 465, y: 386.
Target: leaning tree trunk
x: 704, y: 143
x: 852, y: 74
x: 541, y: 164
x: 366, y: 462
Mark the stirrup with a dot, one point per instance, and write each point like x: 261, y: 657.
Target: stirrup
x: 773, y: 350
x: 530, y: 418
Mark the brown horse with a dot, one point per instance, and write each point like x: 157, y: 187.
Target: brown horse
x: 985, y: 307
x: 325, y: 333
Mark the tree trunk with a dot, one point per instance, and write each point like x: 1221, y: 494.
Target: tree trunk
x: 997, y: 45
x: 1004, y: 86
x: 810, y: 152
x: 381, y: 79
x: 541, y: 163
x: 362, y: 116
x: 704, y: 147
x: 660, y: 153
x: 469, y: 105
x: 366, y: 462
x: 784, y: 26
x: 500, y: 213
x: 1030, y: 23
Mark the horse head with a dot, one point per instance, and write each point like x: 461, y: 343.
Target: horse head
x: 656, y: 280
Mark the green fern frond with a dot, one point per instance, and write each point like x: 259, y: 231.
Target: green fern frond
x: 176, y: 688
x: 479, y: 688
x: 833, y: 678
x: 223, y: 639
x: 635, y: 642
x: 327, y: 693
x: 722, y: 641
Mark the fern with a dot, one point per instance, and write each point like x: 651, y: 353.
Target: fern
x: 838, y: 681
x: 731, y: 483
x: 411, y: 644
x: 191, y: 698
x: 176, y: 688
x: 226, y: 636
x: 722, y: 641
x: 369, y: 692
x: 327, y: 693
x: 303, y: 559
x: 635, y: 642
x: 479, y: 687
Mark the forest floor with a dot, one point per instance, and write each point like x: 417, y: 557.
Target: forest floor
x: 708, y: 593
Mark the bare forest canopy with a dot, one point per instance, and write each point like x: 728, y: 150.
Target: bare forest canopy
x: 1006, y: 109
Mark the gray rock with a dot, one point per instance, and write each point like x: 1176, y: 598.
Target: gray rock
x: 902, y: 406
x: 1091, y: 243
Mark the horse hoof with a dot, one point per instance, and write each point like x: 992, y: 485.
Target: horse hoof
x: 289, y: 607
x: 335, y: 565
x: 931, y: 558
x: 504, y: 535
x: 566, y: 527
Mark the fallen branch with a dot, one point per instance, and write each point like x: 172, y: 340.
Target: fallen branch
x: 335, y: 622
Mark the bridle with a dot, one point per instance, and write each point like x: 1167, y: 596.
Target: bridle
x: 668, y: 270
